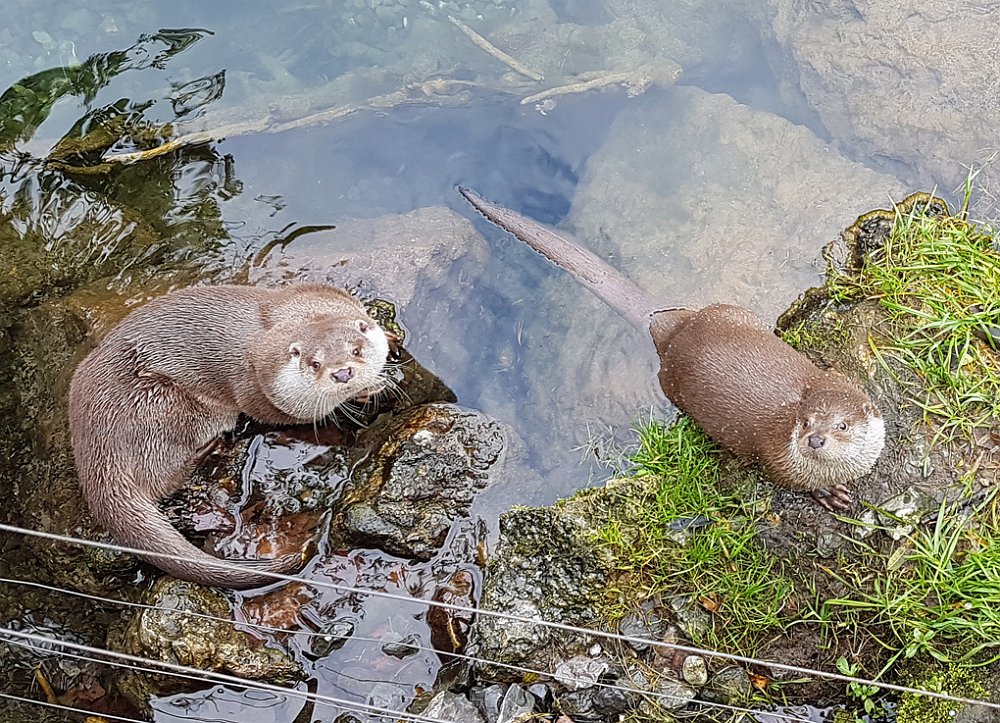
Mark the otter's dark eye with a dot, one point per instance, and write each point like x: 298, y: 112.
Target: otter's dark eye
x: 842, y: 426
x: 315, y: 366
x: 356, y: 351
x: 806, y: 424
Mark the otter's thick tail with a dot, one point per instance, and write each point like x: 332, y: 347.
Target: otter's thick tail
x: 139, y: 523
x: 622, y: 295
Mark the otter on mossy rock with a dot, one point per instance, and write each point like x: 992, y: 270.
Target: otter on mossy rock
x: 811, y: 430
x: 152, y: 399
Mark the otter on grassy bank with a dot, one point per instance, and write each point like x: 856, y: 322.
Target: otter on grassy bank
x: 152, y: 398
x: 811, y: 430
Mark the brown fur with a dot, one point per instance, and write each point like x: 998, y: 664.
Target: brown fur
x: 175, y: 374
x: 811, y: 430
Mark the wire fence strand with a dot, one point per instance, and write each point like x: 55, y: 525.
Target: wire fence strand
x: 565, y: 627
x: 159, y: 667
x: 562, y: 677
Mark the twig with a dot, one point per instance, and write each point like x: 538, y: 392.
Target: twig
x: 635, y: 80
x: 495, y: 51
x: 267, y: 125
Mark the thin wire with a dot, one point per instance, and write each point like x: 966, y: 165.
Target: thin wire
x: 532, y: 621
x: 71, y: 709
x: 471, y: 658
x: 183, y: 671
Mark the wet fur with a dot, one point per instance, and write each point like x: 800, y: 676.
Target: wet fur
x: 174, y: 375
x: 725, y: 368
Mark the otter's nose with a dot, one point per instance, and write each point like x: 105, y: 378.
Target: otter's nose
x: 816, y: 440
x: 343, y: 375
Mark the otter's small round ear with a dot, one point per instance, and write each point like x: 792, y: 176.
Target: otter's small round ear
x: 295, y: 349
x: 871, y: 410
x: 361, y: 325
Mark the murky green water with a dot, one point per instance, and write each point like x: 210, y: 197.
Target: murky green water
x: 316, y: 113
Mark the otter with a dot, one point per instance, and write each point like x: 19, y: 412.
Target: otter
x: 152, y: 399
x: 811, y: 430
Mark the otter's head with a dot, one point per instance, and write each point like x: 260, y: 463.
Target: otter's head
x: 839, y: 434
x: 329, y: 361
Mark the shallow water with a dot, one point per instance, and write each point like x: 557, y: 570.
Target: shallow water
x: 546, y: 359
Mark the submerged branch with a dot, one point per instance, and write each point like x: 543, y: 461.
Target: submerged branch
x: 493, y: 50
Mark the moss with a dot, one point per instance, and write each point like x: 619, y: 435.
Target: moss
x: 953, y: 679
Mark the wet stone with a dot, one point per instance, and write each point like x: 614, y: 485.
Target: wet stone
x: 580, y: 672
x: 596, y: 705
x: 171, y: 635
x: 450, y: 628
x: 544, y: 568
x: 420, y: 477
x: 332, y: 637
x: 487, y: 700
x: 447, y: 706
x: 387, y: 695
x: 516, y: 703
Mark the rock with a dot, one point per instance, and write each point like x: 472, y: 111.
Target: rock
x: 387, y: 696
x: 649, y: 622
x: 423, y: 473
x: 170, y: 635
x: 487, y: 700
x: 544, y: 568
x: 693, y: 620
x: 541, y: 692
x: 517, y: 704
x: 332, y: 637
x: 580, y: 671
x: 450, y: 628
x: 694, y: 671
x: 730, y: 686
x: 596, y: 705
x: 671, y: 694
x: 908, y: 85
x: 897, y: 515
x: 447, y: 706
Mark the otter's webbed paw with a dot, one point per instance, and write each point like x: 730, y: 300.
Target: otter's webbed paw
x: 835, y: 498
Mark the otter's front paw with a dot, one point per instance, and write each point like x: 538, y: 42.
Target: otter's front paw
x: 835, y: 498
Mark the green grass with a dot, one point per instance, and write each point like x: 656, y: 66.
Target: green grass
x: 717, y: 560
x: 938, y: 280
x: 941, y: 598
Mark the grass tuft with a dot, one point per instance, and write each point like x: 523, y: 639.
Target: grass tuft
x: 938, y: 279
x: 680, y: 535
x: 943, y: 600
